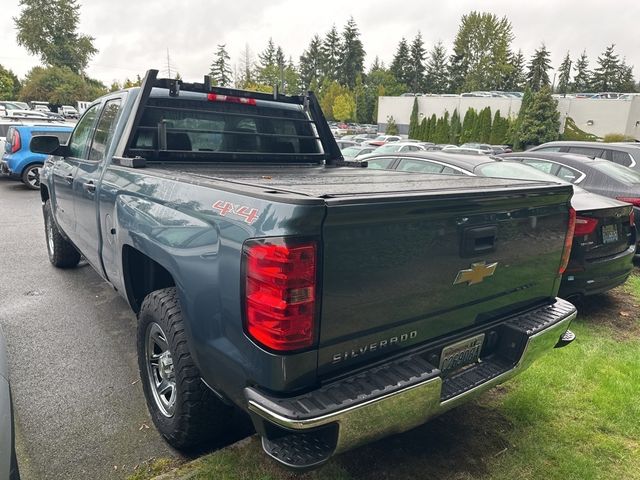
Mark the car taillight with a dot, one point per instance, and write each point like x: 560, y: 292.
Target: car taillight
x: 280, y: 293
x: 632, y: 200
x: 215, y: 97
x: 568, y: 241
x: 16, y: 142
x: 585, y: 226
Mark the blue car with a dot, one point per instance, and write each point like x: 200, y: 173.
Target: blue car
x: 19, y: 161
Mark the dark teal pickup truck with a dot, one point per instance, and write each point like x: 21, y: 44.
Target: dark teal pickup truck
x: 333, y: 304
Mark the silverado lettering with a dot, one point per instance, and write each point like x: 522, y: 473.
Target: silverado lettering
x: 372, y: 347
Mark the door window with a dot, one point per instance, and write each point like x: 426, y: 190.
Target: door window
x: 82, y: 133
x: 421, y: 166
x: 380, y: 163
x: 567, y: 174
x: 590, y: 152
x: 104, y: 130
x: 541, y: 165
x: 621, y: 158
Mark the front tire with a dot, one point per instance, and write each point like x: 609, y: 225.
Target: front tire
x: 62, y: 253
x: 183, y: 409
x: 31, y: 176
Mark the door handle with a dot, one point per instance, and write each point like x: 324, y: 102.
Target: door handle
x: 89, y: 186
x: 69, y: 178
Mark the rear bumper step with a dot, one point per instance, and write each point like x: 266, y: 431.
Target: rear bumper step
x: 306, y: 430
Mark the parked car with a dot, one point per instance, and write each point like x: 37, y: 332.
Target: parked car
x: 19, y: 161
x: 334, y: 305
x: 466, y: 150
x: 625, y: 155
x: 478, y: 146
x: 356, y: 151
x: 605, y: 238
x: 8, y: 461
x: 382, y: 139
x: 67, y: 111
x: 345, y: 143
x: 595, y: 175
x: 400, y: 147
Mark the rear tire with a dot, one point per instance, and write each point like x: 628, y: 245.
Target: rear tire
x: 183, y: 409
x: 62, y: 253
x: 31, y: 176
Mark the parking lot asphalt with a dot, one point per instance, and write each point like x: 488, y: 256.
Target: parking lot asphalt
x: 79, y: 407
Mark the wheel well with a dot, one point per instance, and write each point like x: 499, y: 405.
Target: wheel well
x: 142, y: 275
x: 30, y: 164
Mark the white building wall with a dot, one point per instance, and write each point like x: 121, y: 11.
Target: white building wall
x: 597, y: 116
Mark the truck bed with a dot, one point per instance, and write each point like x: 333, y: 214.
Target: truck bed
x: 308, y: 184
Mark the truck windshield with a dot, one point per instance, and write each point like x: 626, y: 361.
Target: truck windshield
x: 197, y: 129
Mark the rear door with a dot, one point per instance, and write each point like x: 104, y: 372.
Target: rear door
x: 64, y: 172
x: 86, y: 182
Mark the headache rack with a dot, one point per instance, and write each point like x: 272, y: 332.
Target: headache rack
x: 311, y: 122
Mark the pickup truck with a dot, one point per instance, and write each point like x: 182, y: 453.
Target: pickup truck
x: 334, y: 304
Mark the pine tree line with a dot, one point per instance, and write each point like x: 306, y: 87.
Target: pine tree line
x: 482, y: 58
x: 538, y: 121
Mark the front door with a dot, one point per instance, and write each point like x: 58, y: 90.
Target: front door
x: 64, y: 172
x: 86, y: 183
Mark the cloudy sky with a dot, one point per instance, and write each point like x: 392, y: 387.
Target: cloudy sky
x: 134, y: 35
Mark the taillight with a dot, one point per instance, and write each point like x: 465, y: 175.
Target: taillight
x: 585, y: 226
x: 280, y: 293
x: 632, y: 200
x: 568, y: 241
x: 16, y: 142
x: 214, y: 97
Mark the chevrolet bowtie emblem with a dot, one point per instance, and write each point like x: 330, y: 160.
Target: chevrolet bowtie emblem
x: 477, y: 273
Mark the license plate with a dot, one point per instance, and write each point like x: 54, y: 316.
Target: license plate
x: 461, y: 354
x: 609, y: 234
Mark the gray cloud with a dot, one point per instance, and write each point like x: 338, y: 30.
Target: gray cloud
x: 134, y: 35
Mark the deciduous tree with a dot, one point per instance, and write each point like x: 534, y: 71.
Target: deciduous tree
x: 49, y: 28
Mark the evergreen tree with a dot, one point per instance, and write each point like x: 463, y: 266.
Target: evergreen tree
x: 351, y: 58
x: 539, y: 66
x: 220, y: 70
x: 311, y: 64
x: 456, y: 128
x: 416, y: 65
x: 517, y: 78
x: 499, y: 129
x: 483, y: 132
x: 422, y: 130
x: 468, y: 125
x: 541, y: 121
x: 516, y: 127
x: 607, y: 72
x: 582, y: 79
x: 392, y: 128
x: 626, y: 82
x: 330, y: 49
x: 564, y: 78
x: 401, y: 64
x: 49, y: 28
x: 480, y: 59
x: 413, y: 121
x: 432, y: 125
x: 268, y: 56
x: 436, y: 72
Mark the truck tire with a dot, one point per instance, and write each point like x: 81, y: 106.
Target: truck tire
x: 62, y: 253
x: 183, y: 409
x: 31, y: 176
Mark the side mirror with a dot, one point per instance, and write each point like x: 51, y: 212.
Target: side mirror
x: 47, y: 144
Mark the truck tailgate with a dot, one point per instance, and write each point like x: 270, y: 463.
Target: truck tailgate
x: 399, y: 272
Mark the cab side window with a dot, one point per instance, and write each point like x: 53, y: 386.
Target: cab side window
x: 380, y: 163
x: 104, y: 130
x: 82, y: 133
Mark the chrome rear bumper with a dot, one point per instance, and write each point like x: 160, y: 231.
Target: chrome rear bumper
x: 397, y: 396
